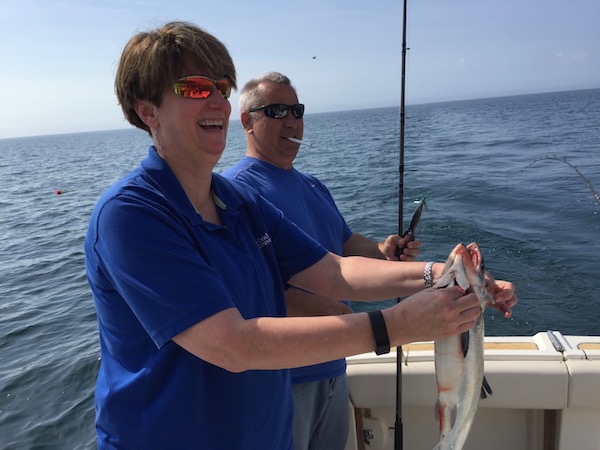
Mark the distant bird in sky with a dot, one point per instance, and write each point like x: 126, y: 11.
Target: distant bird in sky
x: 314, y: 57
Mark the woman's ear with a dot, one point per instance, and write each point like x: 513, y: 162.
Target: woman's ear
x: 146, y: 111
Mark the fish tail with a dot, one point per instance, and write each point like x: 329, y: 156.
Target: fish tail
x: 486, y: 389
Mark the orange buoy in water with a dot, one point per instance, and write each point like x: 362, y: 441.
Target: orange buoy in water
x: 58, y: 192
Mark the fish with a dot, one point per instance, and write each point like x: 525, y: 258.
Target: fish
x: 410, y: 231
x: 459, y: 359
x: 415, y: 220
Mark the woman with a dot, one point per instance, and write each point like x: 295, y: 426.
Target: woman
x: 187, y: 272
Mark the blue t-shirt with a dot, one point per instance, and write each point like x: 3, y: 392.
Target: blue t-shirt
x: 308, y: 203
x: 155, y: 269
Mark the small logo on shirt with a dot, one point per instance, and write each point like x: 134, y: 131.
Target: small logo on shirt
x: 263, y: 240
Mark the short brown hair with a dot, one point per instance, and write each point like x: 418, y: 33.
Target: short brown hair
x: 154, y: 59
x: 249, y: 97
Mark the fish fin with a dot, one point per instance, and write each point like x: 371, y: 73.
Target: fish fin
x: 461, y: 279
x: 464, y: 342
x: 438, y: 412
x: 445, y: 417
x: 448, y: 279
x: 489, y: 292
x: 486, y: 389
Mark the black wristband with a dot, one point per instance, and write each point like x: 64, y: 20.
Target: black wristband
x: 382, y: 340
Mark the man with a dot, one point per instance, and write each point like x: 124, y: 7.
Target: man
x: 270, y: 115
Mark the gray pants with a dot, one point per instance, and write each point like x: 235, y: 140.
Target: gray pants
x: 321, y: 414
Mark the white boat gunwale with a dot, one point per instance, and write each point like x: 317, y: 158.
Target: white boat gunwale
x: 546, y: 394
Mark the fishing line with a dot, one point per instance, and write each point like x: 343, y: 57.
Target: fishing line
x: 564, y: 160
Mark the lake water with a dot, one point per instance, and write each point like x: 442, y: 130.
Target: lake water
x: 537, y: 224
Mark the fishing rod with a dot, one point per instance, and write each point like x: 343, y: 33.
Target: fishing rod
x: 588, y: 183
x: 398, y: 426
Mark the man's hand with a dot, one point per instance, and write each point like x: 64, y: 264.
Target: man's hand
x: 409, y: 248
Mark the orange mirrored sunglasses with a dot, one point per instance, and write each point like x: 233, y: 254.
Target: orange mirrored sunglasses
x: 201, y: 87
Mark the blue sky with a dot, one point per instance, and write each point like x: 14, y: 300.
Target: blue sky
x: 58, y: 58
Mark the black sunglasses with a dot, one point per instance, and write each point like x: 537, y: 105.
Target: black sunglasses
x: 280, y: 111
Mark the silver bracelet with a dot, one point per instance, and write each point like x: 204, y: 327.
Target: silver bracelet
x: 427, y: 274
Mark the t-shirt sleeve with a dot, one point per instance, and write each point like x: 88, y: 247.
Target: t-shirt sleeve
x: 150, y: 259
x: 294, y: 249
x: 346, y: 232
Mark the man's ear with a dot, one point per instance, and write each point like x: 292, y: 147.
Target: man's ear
x: 247, y: 122
x: 146, y: 111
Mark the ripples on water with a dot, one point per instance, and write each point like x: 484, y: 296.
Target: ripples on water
x: 538, y: 227
x: 48, y: 337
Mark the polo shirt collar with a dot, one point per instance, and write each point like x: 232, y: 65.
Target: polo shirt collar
x: 167, y: 183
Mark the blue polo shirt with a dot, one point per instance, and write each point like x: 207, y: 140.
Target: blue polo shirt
x: 156, y: 268
x: 306, y: 201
